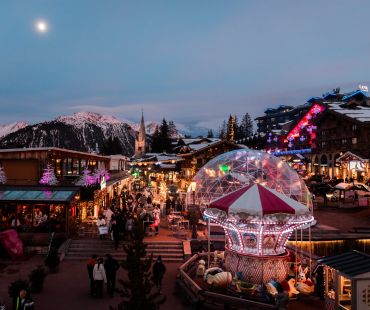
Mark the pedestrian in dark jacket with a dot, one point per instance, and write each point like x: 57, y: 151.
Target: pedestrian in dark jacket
x: 90, y: 268
x: 115, y: 230
x: 111, y: 266
x: 24, y: 301
x: 158, y: 272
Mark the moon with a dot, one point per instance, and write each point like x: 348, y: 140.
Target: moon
x: 41, y: 26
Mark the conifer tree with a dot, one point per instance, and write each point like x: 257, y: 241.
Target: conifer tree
x: 223, y: 131
x: 48, y: 176
x: 210, y: 133
x: 231, y: 129
x: 87, y: 179
x: 138, y: 291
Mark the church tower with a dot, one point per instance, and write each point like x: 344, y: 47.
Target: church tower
x: 140, y: 141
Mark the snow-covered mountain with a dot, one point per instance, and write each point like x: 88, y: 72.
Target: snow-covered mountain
x: 82, y: 131
x: 9, y: 128
x: 150, y: 127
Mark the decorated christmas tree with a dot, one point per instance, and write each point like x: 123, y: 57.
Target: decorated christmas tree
x: 138, y: 291
x: 87, y: 179
x: 2, y: 176
x: 101, y: 173
x: 48, y: 176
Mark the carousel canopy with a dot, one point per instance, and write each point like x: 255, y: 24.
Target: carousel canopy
x: 258, y: 200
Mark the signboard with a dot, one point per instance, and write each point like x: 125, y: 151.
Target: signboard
x: 103, y: 183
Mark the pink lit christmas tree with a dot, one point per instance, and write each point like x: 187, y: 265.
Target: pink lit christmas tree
x: 101, y: 173
x: 48, y: 176
x: 87, y: 179
x: 2, y: 176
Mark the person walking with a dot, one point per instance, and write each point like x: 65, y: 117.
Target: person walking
x: 100, y: 277
x: 115, y: 230
x: 158, y: 271
x: 101, y: 224
x: 90, y: 268
x: 111, y: 266
x: 24, y: 301
x: 129, y: 226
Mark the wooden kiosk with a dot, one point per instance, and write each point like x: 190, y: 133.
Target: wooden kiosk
x: 347, y: 280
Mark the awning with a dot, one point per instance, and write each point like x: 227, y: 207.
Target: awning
x: 41, y: 195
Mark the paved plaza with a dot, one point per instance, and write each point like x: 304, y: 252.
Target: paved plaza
x: 69, y: 288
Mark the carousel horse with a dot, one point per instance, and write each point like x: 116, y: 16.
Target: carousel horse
x: 215, y: 276
x: 304, y: 284
x: 289, y: 287
x: 201, y: 268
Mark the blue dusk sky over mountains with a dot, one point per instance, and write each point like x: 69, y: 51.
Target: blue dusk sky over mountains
x: 193, y: 61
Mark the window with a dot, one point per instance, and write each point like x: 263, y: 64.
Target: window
x: 323, y: 144
x: 344, y: 141
x: 354, y: 140
x: 354, y: 127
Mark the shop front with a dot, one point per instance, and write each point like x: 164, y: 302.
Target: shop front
x: 346, y: 280
x: 38, y: 210
x: 353, y: 166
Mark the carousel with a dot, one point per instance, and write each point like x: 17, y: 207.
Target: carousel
x: 260, y: 202
x: 258, y: 222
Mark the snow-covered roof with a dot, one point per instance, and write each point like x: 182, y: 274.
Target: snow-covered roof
x: 159, y: 157
x: 39, y: 149
x: 360, y: 113
x: 167, y: 166
x: 199, y: 140
x: 119, y: 156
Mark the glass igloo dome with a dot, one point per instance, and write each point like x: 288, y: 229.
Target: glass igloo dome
x: 231, y: 171
x: 256, y: 197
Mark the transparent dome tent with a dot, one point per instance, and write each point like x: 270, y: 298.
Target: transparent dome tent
x: 236, y: 169
x: 259, y: 201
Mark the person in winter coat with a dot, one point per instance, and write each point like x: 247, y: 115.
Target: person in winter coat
x: 100, y: 223
x: 129, y: 225
x: 90, y: 268
x: 115, y: 230
x: 24, y: 301
x: 158, y: 271
x: 157, y: 219
x: 111, y: 266
x: 99, y: 277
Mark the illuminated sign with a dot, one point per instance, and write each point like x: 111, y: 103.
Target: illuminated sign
x: 103, y: 183
x: 364, y: 88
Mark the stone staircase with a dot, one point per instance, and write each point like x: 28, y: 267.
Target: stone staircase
x: 82, y: 249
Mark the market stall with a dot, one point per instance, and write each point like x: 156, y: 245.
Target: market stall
x: 347, y: 280
x: 35, y: 209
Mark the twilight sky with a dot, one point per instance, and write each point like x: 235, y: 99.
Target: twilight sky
x: 193, y: 61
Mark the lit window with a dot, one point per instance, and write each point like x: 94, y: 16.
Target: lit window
x: 354, y: 140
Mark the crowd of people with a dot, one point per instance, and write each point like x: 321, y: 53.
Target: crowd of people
x: 117, y: 223
x: 102, y: 272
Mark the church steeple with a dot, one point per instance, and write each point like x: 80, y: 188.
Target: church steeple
x: 140, y: 141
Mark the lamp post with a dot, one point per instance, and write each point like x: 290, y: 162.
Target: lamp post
x: 193, y: 186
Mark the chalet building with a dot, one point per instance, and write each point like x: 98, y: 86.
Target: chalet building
x: 25, y: 166
x: 320, y: 133
x: 36, y: 206
x: 342, y: 144
x: 197, y: 152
